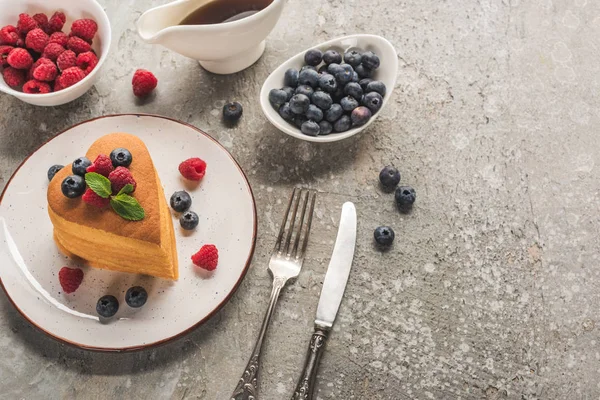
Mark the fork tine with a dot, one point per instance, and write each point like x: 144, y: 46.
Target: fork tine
x: 300, y: 225
x: 308, y: 225
x: 292, y: 220
x: 283, y: 223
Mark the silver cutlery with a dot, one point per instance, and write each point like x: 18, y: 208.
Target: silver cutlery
x: 332, y: 292
x: 285, y: 264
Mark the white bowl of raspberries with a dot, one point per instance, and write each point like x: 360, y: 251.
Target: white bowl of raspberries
x: 51, y: 51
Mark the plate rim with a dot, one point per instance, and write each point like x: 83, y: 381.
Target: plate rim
x: 197, y: 324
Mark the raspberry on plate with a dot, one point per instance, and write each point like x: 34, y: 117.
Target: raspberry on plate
x: 26, y: 23
x: 42, y: 21
x: 87, y: 61
x: 33, y: 87
x: 13, y: 77
x: 193, y: 169
x: 90, y: 197
x: 19, y: 58
x: 56, y: 22
x: 84, y: 28
x: 60, y: 38
x: 120, y: 177
x: 70, y: 76
x: 9, y: 35
x: 52, y: 51
x: 101, y: 165
x: 207, y: 257
x: 45, y: 72
x: 143, y: 82
x: 78, y: 45
x: 4, y: 50
x: 70, y: 279
x: 67, y: 59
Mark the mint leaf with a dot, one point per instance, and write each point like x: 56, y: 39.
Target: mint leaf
x: 126, y: 189
x: 99, y: 184
x: 127, y: 207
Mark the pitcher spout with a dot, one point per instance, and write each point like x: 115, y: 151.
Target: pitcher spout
x: 153, y: 22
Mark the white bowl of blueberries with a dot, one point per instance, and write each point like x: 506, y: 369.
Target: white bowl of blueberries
x: 331, y: 91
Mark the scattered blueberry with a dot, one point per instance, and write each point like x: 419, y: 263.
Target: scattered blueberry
x: 384, y: 235
x: 405, y: 197
x: 299, y: 103
x: 107, y: 306
x: 353, y: 89
x: 334, y: 68
x: 363, y: 72
x: 353, y: 57
x: 189, y: 220
x: 309, y: 77
x: 326, y: 127
x: 328, y: 83
x: 313, y: 57
x: 277, y: 97
x: 322, y: 100
x: 286, y: 112
x: 290, y: 78
x: 334, y: 113
x: 73, y: 186
x: 389, y: 177
x: 370, y: 60
x: 376, y: 86
x: 332, y: 56
x: 121, y: 157
x: 342, y: 124
x: 373, y: 101
x: 136, y: 296
x: 310, y: 128
x: 360, y: 116
x: 314, y: 113
x: 348, y: 103
x: 305, y: 90
x: 364, y: 83
x: 289, y: 91
x: 181, y: 201
x: 80, y: 165
x: 232, y: 112
x: 53, y: 170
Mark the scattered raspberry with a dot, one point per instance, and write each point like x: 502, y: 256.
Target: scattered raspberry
x: 207, y: 257
x: 102, y: 165
x: 56, y: 22
x: 90, y: 197
x: 60, y: 38
x: 143, y: 82
x: 34, y: 87
x: 52, y: 51
x: 70, y: 279
x: 193, y: 169
x: 45, y: 72
x: 42, y: 21
x: 36, y: 40
x: 26, y: 23
x: 13, y: 77
x: 67, y: 59
x: 4, y: 50
x: 120, y: 177
x: 70, y: 76
x: 87, y: 61
x: 19, y: 58
x: 9, y: 35
x: 84, y: 28
x: 78, y: 45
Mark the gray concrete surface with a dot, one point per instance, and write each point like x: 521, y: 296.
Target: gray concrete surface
x: 491, y: 290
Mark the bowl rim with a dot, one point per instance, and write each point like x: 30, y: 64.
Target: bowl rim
x: 90, y: 76
x: 268, y: 110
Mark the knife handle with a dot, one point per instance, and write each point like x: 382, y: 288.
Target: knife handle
x: 308, y: 379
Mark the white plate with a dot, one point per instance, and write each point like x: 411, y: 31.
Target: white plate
x: 30, y: 261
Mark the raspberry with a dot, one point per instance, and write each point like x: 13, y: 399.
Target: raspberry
x: 87, y: 61
x: 143, y: 82
x: 9, y: 35
x: 36, y: 40
x: 26, y: 23
x: 70, y: 76
x: 57, y: 86
x: 84, y: 28
x: 67, y: 59
x: 45, y: 72
x: 13, y: 77
x: 56, y: 22
x: 19, y: 58
x: 120, y: 177
x: 52, y: 51
x: 90, y: 197
x: 60, y: 38
x: 4, y: 50
x: 34, y: 87
x: 42, y: 21
x: 193, y: 169
x: 78, y: 45
x: 207, y: 257
x: 101, y: 165
x: 42, y: 60
x: 70, y: 279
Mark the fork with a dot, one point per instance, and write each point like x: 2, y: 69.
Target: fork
x: 285, y: 264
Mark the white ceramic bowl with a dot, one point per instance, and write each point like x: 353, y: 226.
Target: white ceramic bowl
x: 387, y: 73
x: 73, y: 9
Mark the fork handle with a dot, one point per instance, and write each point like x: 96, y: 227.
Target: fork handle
x: 306, y: 385
x: 247, y: 387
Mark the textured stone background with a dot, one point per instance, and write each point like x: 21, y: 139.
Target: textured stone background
x: 491, y: 290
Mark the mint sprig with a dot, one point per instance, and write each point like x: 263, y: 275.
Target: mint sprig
x: 122, y: 203
x: 126, y: 189
x: 99, y: 184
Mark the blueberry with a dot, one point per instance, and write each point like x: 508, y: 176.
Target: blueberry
x: 349, y: 103
x: 353, y: 57
x: 405, y: 197
x: 80, y: 165
x: 277, y: 97
x: 305, y: 90
x: 314, y: 113
x: 345, y: 74
x: 370, y: 60
x: 189, y: 220
x: 328, y: 83
x: 353, y: 89
x: 313, y: 57
x: 289, y: 91
x: 299, y: 103
x: 334, y: 113
x: 286, y: 112
x: 389, y: 177
x: 363, y: 72
x: 360, y: 116
x: 53, y: 170
x: 121, y: 157
x: 325, y: 127
x: 355, y: 77
x: 364, y: 82
x: 310, y: 128
x: 290, y: 78
x: 136, y: 296
x: 334, y: 68
x: 332, y: 56
x: 181, y: 201
x: 373, y: 101
x: 376, y: 86
x: 232, y: 112
x: 384, y: 235
x: 322, y: 69
x: 299, y: 120
x: 107, y: 306
x: 322, y: 100
x: 309, y: 77
x: 342, y: 124
x: 73, y: 186
x: 338, y: 94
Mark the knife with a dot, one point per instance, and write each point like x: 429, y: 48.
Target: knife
x: 329, y: 302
